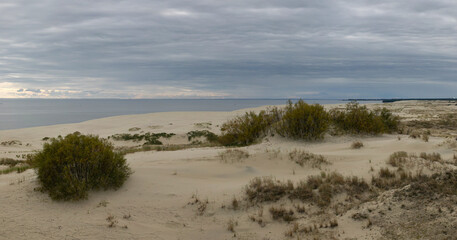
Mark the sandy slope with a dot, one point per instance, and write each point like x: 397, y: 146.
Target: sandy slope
x: 155, y: 202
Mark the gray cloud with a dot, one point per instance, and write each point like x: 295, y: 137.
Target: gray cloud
x: 249, y: 48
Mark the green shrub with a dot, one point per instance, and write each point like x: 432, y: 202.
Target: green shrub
x: 210, y: 136
x: 69, y: 167
x: 358, y: 119
x: 303, y: 121
x: 150, y: 138
x: 244, y: 130
x: 390, y: 121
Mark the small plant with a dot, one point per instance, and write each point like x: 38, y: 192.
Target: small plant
x: 103, y: 203
x: 235, y: 203
x: 231, y: 224
x: 134, y: 129
x: 201, y: 205
x: 69, y: 167
x: 112, y: 222
x: 398, y: 158
x: 425, y: 138
x: 356, y: 145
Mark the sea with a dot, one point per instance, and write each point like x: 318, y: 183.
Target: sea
x: 24, y: 113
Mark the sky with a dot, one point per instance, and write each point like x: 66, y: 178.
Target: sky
x: 228, y: 49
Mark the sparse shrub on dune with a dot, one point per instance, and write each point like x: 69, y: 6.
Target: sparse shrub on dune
x: 68, y: 168
x: 233, y: 155
x: 319, y: 189
x: 210, y: 136
x: 300, y: 120
x: 281, y: 213
x: 356, y: 119
x: 303, y: 158
x: 244, y: 130
x: 149, y: 138
x: 357, y: 145
x: 303, y: 121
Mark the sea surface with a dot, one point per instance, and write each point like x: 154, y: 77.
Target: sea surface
x: 23, y: 113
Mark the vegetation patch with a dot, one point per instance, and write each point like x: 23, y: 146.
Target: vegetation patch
x: 318, y: 189
x: 149, y: 138
x: 11, y: 143
x: 357, y: 145
x: 300, y: 120
x: 303, y: 121
x: 303, y: 158
x: 68, y: 168
x: 233, y: 155
x: 356, y: 119
x: 431, y: 161
x: 10, y: 162
x: 210, y: 136
x: 281, y: 213
x: 134, y: 129
x: 244, y: 130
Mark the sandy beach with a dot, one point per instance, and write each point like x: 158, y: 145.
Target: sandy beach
x: 188, y: 193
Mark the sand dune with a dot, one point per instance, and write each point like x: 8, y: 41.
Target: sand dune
x: 159, y: 201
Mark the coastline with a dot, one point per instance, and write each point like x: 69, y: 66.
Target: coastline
x: 160, y: 196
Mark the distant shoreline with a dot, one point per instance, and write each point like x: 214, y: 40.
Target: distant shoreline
x: 390, y: 100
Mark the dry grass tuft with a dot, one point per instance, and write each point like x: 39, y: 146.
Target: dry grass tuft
x: 303, y: 158
x: 356, y: 145
x: 231, y: 224
x: 233, y: 155
x: 280, y: 213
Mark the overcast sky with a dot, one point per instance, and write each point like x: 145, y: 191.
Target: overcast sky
x: 228, y: 49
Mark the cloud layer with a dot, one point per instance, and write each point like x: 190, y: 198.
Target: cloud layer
x: 218, y: 49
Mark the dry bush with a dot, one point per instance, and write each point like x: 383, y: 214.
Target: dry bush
x: 357, y: 145
x: 397, y: 159
x: 433, y: 157
x: 267, y: 189
x: 305, y: 158
x: 280, y: 213
x: 233, y: 155
x: 431, y: 161
x: 425, y: 138
x: 202, y: 205
x: 386, y: 173
x: 387, y: 179
x: 318, y: 189
x: 414, y: 134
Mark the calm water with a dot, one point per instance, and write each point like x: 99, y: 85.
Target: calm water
x: 22, y: 113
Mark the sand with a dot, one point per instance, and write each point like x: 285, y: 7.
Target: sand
x: 159, y: 200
